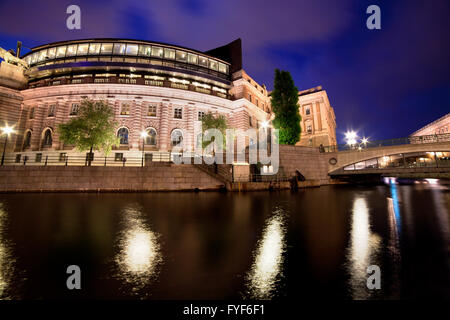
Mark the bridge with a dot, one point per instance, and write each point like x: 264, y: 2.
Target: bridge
x: 425, y: 156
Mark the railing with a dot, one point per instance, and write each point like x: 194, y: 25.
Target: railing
x: 388, y: 142
x: 79, y: 160
x: 122, y: 80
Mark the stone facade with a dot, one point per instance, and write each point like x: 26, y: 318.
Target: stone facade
x: 318, y: 119
x: 439, y: 126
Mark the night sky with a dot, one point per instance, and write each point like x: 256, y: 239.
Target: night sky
x: 382, y: 83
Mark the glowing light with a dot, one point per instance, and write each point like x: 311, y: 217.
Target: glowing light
x: 7, y: 130
x: 139, y: 253
x: 363, y: 248
x: 350, y: 137
x: 265, y: 124
x: 268, y: 259
x: 364, y: 141
x: 144, y: 134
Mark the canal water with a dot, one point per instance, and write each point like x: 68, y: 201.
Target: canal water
x: 310, y: 244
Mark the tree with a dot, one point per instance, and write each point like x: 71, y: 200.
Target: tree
x: 92, y: 129
x: 209, y: 121
x: 284, y: 100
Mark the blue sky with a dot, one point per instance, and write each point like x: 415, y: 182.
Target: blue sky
x: 383, y: 83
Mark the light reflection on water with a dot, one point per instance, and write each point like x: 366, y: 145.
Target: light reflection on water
x: 364, y: 246
x: 6, y: 260
x: 139, y: 253
x: 266, y: 270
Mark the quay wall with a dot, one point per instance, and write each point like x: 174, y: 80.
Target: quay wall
x: 157, y: 177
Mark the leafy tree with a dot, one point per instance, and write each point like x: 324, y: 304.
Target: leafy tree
x: 209, y: 121
x: 284, y: 100
x: 92, y: 129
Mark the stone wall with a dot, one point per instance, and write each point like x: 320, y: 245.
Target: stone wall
x: 308, y: 161
x: 157, y: 177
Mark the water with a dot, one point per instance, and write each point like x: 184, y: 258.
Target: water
x: 310, y: 244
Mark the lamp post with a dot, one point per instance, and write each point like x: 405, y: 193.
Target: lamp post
x: 6, y: 130
x: 350, y: 137
x: 144, y: 135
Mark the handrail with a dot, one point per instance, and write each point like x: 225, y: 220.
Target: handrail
x: 434, y: 138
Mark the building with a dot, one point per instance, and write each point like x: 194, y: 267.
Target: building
x: 439, y: 126
x: 159, y: 88
x: 318, y: 119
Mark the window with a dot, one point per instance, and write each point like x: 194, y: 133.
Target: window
x: 249, y: 97
x: 157, y: 52
x: 107, y: 48
x: 47, y: 141
x: 222, y: 68
x: 151, y: 110
x: 125, y: 109
x: 51, y: 110
x: 38, y: 157
x: 151, y: 137
x: 213, y: 64
x: 201, y: 114
x: 178, y: 113
x: 42, y: 55
x: 94, y: 48
x: 145, y: 50
x: 51, y: 53
x: 203, y: 62
x: 71, y: 50
x: 118, y: 156
x: 181, y: 56
x: 250, y: 123
x: 192, y: 58
x: 18, y: 156
x: 82, y: 49
x: 257, y: 103
x: 176, y: 137
x: 309, y: 128
x: 169, y: 53
x: 27, y: 141
x: 32, y: 113
x: 61, y: 52
x: 308, y: 111
x: 119, y: 48
x: 122, y: 134
x: 132, y: 49
x: 74, y: 109
x: 62, y: 157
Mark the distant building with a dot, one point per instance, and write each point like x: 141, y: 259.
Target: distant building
x: 439, y: 126
x: 318, y: 119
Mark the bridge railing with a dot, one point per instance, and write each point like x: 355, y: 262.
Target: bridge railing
x: 388, y: 142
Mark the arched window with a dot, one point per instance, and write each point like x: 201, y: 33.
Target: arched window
x: 176, y: 137
x: 47, y: 141
x: 27, y: 141
x: 151, y: 137
x: 122, y: 134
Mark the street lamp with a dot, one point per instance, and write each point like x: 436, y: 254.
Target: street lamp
x: 350, y: 137
x: 6, y: 130
x: 144, y: 135
x: 265, y: 124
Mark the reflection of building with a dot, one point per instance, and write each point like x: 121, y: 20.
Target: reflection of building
x: 439, y: 126
x: 160, y: 88
x: 318, y: 120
